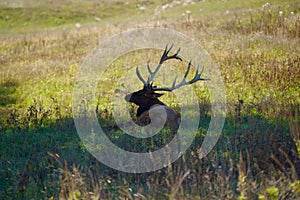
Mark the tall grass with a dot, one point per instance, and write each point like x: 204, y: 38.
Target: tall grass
x: 258, y: 153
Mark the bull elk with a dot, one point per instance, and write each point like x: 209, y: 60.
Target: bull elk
x: 147, y: 98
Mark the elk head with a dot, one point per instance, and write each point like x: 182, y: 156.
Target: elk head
x: 148, y: 97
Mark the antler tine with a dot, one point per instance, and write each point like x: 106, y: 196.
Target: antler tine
x: 140, y: 76
x: 148, y: 67
x: 163, y: 58
x: 196, y: 78
x: 183, y: 82
x: 166, y: 57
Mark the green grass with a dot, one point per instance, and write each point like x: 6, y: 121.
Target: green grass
x: 256, y: 50
x: 42, y: 17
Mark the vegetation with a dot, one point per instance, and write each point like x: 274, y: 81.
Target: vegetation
x: 256, y: 46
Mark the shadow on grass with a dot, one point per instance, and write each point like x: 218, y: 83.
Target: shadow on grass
x: 7, y: 90
x: 29, y: 172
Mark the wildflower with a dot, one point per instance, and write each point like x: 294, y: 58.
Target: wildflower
x: 77, y: 25
x: 141, y: 7
x: 280, y: 13
x: 164, y: 7
x: 265, y: 5
x: 188, y: 12
x: 186, y: 2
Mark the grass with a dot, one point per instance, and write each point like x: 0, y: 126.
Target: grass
x: 256, y: 49
x: 34, y: 19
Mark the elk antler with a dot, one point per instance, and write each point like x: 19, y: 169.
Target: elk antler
x: 163, y: 58
x: 196, y: 78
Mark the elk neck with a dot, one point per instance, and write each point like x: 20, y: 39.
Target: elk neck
x: 144, y: 108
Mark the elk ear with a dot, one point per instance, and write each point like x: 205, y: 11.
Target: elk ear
x: 157, y: 95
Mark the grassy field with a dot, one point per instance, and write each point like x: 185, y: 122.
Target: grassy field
x: 255, y: 43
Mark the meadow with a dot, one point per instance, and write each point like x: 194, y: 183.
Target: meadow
x: 255, y: 44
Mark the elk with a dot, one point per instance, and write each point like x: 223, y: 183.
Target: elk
x: 147, y: 98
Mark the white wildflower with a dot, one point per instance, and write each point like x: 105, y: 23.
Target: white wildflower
x: 164, y: 7
x: 77, y: 25
x: 141, y: 7
x: 266, y: 5
x: 186, y: 2
x: 280, y: 13
x: 176, y: 2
